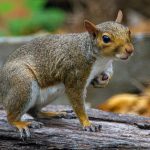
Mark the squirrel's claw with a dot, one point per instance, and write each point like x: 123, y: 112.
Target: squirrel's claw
x: 27, y: 132
x: 92, y: 128
x: 69, y: 114
x: 24, y: 133
x: 36, y: 125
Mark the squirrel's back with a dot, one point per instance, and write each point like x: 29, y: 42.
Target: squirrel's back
x: 51, y: 57
x: 50, y: 43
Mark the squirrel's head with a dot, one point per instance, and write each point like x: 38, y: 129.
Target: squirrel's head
x: 112, y: 38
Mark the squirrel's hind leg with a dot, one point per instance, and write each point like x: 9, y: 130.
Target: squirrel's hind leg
x: 14, y: 118
x: 18, y: 102
x: 48, y: 114
x: 45, y: 114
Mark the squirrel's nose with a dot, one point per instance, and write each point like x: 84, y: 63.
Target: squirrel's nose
x: 129, y: 49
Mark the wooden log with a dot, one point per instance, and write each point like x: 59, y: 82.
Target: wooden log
x: 117, y: 132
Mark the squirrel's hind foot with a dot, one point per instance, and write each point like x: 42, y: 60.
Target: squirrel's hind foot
x: 36, y: 125
x: 22, y: 126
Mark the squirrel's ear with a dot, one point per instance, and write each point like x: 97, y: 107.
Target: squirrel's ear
x: 91, y: 28
x: 119, y: 16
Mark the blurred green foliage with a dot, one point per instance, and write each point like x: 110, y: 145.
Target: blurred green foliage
x: 48, y: 20
x: 35, y: 5
x: 39, y: 18
x: 6, y: 7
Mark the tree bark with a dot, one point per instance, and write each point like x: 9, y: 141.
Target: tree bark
x: 117, y: 132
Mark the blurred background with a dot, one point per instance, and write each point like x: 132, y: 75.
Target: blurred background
x: 24, y: 17
x: 23, y: 20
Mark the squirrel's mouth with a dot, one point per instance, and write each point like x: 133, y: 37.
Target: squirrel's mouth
x: 124, y: 58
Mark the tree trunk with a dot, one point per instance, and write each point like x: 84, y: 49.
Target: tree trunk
x: 117, y: 132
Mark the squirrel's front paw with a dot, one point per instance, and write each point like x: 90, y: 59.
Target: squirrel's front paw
x: 92, y: 128
x: 101, y: 81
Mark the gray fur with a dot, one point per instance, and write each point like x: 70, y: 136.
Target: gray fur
x: 71, y: 59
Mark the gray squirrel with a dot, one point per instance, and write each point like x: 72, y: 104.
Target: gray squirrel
x: 42, y: 70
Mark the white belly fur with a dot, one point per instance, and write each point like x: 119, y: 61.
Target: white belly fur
x: 42, y: 97
x: 49, y: 94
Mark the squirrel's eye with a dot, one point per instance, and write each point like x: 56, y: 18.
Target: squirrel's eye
x: 106, y: 39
